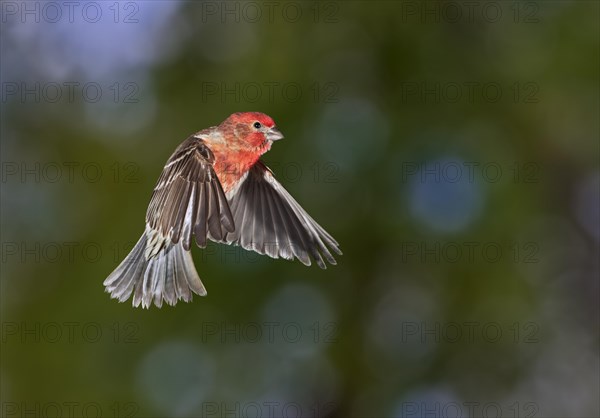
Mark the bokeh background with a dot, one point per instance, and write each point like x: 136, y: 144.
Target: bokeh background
x: 451, y: 148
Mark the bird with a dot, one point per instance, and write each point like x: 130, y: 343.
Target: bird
x: 216, y: 187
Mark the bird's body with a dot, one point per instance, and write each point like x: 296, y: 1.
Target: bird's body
x: 215, y: 187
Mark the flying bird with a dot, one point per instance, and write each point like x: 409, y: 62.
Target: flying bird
x: 215, y: 187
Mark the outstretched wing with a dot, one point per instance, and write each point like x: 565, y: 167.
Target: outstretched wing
x: 269, y: 221
x: 188, y: 199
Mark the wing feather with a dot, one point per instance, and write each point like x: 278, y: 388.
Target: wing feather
x: 200, y: 230
x: 269, y: 221
x: 188, y: 196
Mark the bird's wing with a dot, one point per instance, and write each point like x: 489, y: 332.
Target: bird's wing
x: 269, y: 221
x: 188, y: 199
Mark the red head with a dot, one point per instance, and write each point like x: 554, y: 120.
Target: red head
x: 238, y: 142
x: 250, y: 131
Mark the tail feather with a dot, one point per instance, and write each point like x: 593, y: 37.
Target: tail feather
x: 167, y: 275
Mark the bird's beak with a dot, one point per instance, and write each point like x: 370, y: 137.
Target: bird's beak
x: 274, y: 134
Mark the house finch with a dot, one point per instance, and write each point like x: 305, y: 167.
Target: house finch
x: 215, y: 187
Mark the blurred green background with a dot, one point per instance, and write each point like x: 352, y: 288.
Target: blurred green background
x: 451, y: 148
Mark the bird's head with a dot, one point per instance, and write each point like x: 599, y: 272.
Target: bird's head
x: 252, y: 130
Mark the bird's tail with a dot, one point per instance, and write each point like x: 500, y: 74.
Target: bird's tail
x: 168, y: 275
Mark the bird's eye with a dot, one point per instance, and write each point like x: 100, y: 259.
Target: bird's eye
x: 257, y: 125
